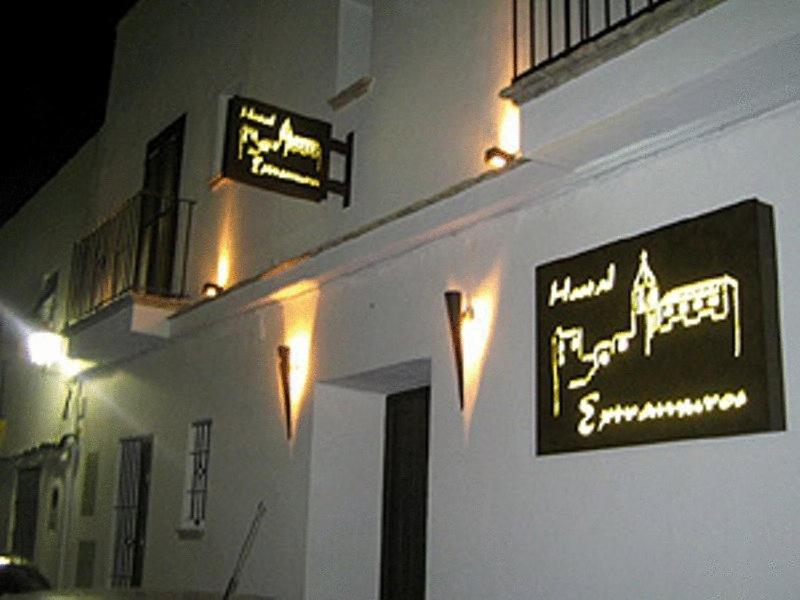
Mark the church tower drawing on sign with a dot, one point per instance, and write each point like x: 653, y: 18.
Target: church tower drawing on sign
x: 651, y: 314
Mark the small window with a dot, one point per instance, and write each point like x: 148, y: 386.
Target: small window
x: 45, y: 309
x: 353, y: 52
x: 194, y: 505
x: 355, y: 39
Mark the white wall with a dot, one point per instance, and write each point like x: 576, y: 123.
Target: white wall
x: 694, y: 519
x: 345, y: 495
x: 226, y: 374
x: 432, y: 111
x: 35, y: 242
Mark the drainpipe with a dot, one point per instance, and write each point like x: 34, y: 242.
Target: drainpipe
x: 73, y: 450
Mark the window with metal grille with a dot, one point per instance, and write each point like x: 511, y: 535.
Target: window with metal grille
x: 194, y: 505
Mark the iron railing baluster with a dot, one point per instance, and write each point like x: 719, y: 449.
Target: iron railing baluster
x: 110, y: 261
x: 553, y: 23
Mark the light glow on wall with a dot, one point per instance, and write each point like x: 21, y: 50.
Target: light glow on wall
x: 509, y: 132
x: 72, y: 367
x: 299, y: 319
x: 477, y: 329
x: 475, y: 333
x: 300, y: 348
x: 223, y: 267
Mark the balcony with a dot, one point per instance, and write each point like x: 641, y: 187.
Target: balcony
x: 127, y: 277
x: 603, y: 83
x: 557, y: 40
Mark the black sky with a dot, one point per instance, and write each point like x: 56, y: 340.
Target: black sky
x: 56, y: 64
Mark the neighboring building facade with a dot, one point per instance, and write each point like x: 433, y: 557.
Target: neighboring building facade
x: 322, y: 379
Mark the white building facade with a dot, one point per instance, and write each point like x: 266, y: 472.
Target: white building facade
x: 146, y: 468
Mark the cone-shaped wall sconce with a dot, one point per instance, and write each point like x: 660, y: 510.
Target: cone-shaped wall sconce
x: 284, y: 367
x: 452, y: 299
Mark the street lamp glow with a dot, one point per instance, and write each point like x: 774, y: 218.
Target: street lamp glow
x: 46, y: 348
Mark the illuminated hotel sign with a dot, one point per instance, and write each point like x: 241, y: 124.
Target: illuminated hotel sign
x: 672, y: 334
x: 278, y: 150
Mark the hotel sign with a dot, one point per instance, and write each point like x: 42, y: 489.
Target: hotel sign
x: 281, y: 151
x: 671, y: 334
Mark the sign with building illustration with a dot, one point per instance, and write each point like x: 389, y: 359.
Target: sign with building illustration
x: 276, y: 149
x: 668, y: 335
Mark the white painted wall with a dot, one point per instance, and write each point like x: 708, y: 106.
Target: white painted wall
x: 346, y: 494
x: 694, y: 519
x: 432, y: 111
x: 37, y: 241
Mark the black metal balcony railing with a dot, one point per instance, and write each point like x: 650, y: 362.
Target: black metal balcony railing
x: 545, y: 31
x: 142, y: 248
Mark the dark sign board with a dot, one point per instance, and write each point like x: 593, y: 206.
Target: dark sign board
x: 275, y: 149
x: 671, y: 334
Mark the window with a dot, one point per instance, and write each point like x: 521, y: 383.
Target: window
x: 352, y: 52
x: 355, y: 38
x: 194, y: 504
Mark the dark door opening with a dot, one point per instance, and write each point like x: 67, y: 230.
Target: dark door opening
x: 405, y: 496
x: 26, y: 512
x: 133, y: 493
x: 159, y: 226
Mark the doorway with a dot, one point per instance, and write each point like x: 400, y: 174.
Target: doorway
x: 133, y: 492
x: 347, y: 540
x: 405, y: 495
x: 26, y: 512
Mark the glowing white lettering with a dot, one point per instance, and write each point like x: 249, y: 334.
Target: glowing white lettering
x: 589, y: 289
x: 586, y: 425
x: 252, y: 114
x: 260, y: 167
x: 594, y: 421
x: 252, y: 144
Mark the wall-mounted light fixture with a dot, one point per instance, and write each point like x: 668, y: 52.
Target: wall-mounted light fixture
x: 46, y: 348
x: 284, y: 369
x: 455, y: 317
x: 211, y: 290
x: 497, y: 158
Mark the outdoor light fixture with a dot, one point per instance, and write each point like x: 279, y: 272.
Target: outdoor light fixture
x: 211, y: 290
x: 455, y: 316
x: 46, y: 348
x: 284, y: 368
x: 497, y: 158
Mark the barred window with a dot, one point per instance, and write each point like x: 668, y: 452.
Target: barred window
x: 194, y: 511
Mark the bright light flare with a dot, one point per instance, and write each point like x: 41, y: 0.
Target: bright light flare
x: 46, y: 348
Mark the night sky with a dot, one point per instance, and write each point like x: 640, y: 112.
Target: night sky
x: 56, y: 64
